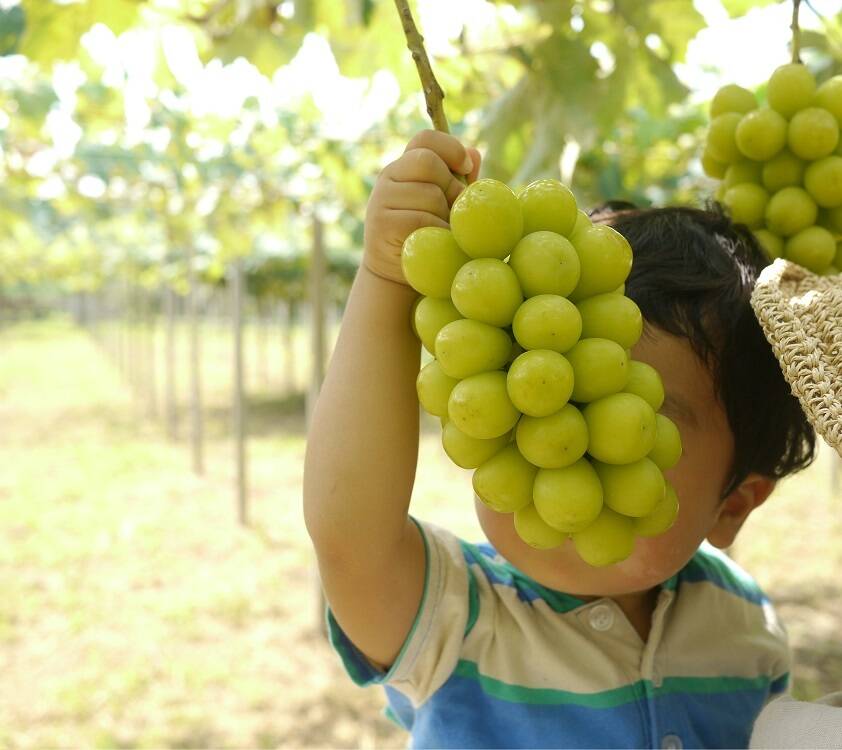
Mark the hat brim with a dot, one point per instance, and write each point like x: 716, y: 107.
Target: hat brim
x: 801, y: 317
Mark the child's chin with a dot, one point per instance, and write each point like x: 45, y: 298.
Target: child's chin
x: 562, y: 569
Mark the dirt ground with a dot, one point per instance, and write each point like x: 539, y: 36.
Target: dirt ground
x: 137, y: 612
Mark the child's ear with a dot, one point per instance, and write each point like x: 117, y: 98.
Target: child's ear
x: 750, y: 494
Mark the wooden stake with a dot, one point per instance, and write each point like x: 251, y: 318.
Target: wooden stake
x: 238, y: 412
x: 317, y: 295
x: 196, y: 417
x: 170, y: 398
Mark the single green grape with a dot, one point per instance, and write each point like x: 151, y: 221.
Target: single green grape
x: 606, y: 260
x: 621, y: 428
x: 608, y: 540
x: 747, y: 204
x: 547, y: 205
x: 791, y: 89
x: 761, y: 134
x: 545, y: 263
x: 430, y: 259
x: 468, y: 347
x: 504, y: 482
x: 829, y: 96
x: 823, y: 180
x: 487, y: 290
x: 568, y: 499
x: 831, y: 219
x: 434, y: 387
x: 645, y: 381
x: 540, y: 382
x: 583, y: 221
x: 712, y: 167
x: 732, y: 98
x: 814, y: 248
x: 611, y: 316
x: 661, y: 518
x: 789, y: 211
x: 486, y: 219
x: 631, y: 489
x: 600, y: 367
x: 721, y: 140
x: 480, y: 406
x: 468, y: 452
x: 666, y: 451
x: 547, y: 321
x: 554, y: 441
x: 743, y: 171
x: 772, y: 245
x: 430, y: 315
x: 813, y: 133
x: 782, y: 171
x: 533, y: 530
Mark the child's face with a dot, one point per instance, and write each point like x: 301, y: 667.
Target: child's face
x: 699, y: 479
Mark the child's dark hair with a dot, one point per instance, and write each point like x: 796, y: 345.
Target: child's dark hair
x: 693, y: 274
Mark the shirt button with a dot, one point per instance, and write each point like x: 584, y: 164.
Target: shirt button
x: 671, y: 742
x: 601, y: 617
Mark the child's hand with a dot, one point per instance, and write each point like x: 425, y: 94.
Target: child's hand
x: 416, y: 190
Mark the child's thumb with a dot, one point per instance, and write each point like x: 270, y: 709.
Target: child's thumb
x: 476, y: 158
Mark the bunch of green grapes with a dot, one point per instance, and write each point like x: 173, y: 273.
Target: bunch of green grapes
x: 781, y: 165
x: 524, y: 310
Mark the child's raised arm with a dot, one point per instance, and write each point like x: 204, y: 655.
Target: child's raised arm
x: 362, y: 447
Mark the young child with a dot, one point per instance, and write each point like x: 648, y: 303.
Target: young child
x: 502, y: 645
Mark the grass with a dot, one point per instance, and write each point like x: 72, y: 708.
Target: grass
x: 136, y: 612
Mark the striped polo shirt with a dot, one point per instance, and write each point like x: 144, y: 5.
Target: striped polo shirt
x: 496, y: 660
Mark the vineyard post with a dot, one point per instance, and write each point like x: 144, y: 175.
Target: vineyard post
x: 151, y: 346
x: 288, y: 346
x: 196, y: 425
x: 317, y: 314
x: 238, y: 410
x: 262, y: 344
x: 170, y: 389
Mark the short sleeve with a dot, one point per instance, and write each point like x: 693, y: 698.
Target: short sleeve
x: 432, y: 649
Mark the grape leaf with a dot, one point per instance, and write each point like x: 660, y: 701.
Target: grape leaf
x: 741, y: 7
x: 12, y: 23
x: 52, y: 30
x: 676, y: 22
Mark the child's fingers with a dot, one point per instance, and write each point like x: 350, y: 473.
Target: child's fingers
x: 418, y: 196
x: 446, y: 146
x: 402, y: 223
x: 424, y: 165
x: 476, y: 158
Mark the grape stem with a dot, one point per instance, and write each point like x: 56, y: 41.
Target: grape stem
x: 433, y: 94
x: 796, y: 33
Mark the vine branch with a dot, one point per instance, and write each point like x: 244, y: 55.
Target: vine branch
x: 433, y: 94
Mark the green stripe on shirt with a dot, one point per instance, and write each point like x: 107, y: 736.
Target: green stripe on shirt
x: 607, y: 698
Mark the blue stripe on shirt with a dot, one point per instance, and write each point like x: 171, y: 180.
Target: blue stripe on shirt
x: 463, y: 713
x: 714, y: 567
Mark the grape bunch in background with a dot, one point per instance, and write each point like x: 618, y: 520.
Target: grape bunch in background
x: 781, y: 165
x: 524, y: 311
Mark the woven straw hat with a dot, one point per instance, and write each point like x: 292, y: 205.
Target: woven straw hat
x: 801, y: 315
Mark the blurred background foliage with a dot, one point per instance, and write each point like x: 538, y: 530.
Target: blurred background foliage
x: 130, y: 128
